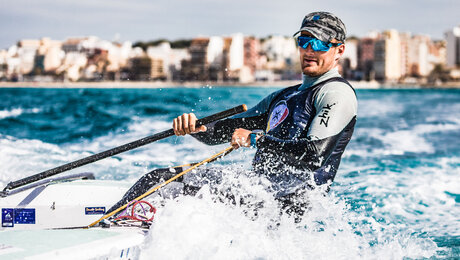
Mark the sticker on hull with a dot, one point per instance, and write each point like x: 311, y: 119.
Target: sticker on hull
x: 7, y: 218
x: 94, y: 210
x: 11, y: 216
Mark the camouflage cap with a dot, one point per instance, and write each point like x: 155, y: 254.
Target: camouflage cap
x: 324, y: 26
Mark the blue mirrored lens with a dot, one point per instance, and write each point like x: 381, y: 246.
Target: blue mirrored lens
x: 316, y: 45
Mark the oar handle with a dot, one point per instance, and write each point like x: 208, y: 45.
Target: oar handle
x: 117, y: 150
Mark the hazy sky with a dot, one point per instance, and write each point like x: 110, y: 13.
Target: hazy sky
x: 135, y: 20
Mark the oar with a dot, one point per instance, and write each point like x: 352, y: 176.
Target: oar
x: 117, y: 150
x: 208, y: 160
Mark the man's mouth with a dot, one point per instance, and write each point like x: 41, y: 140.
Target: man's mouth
x: 309, y: 60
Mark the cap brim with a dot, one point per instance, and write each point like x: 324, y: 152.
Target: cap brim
x: 306, y: 29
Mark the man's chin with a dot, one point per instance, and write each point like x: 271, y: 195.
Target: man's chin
x: 311, y: 73
x: 310, y: 70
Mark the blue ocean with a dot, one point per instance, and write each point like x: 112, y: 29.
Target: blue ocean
x: 396, y: 194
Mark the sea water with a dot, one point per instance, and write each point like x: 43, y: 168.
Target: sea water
x: 396, y: 194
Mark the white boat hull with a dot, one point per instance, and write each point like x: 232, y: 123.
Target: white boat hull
x: 63, y: 205
x: 94, y: 243
x: 49, y: 222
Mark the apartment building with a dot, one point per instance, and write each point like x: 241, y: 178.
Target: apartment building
x: 387, y: 56
x: 366, y: 52
x: 453, y: 47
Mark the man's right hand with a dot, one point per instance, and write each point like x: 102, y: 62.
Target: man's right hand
x: 186, y: 124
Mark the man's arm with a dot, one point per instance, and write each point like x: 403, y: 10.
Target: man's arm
x: 222, y: 131
x: 335, y: 105
x: 225, y: 130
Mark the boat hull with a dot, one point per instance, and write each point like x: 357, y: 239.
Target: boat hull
x: 63, y: 205
x: 94, y: 243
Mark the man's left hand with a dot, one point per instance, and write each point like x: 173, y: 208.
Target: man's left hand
x: 240, y: 138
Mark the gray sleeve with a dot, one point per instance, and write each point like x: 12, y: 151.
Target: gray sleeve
x: 336, y: 105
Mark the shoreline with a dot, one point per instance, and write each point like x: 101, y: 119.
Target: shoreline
x: 143, y: 84
x: 173, y: 84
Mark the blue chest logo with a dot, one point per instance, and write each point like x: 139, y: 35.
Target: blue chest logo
x: 279, y: 113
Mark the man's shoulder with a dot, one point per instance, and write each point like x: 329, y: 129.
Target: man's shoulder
x: 285, y: 89
x: 296, y: 86
x: 336, y: 90
x: 337, y: 85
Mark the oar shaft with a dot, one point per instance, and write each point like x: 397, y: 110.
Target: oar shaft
x: 119, y: 149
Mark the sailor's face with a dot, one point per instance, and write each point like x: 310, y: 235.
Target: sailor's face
x: 316, y: 63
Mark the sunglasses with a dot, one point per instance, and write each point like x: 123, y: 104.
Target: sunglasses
x: 316, y: 45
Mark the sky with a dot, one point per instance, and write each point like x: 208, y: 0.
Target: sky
x: 144, y: 20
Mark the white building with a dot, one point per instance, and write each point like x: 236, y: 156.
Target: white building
x: 351, y: 52
x: 177, y: 56
x: 52, y: 53
x: 236, y: 52
x: 453, y: 47
x: 73, y: 65
x: 3, y: 63
x: 279, y: 51
x: 12, y: 60
x: 118, y: 56
x: 418, y: 49
x: 171, y: 57
x: 26, y: 53
x: 215, y: 50
x: 387, y: 60
x: 161, y: 52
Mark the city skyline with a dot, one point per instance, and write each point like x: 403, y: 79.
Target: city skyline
x: 144, y: 20
x: 389, y: 56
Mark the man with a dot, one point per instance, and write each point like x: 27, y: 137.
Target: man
x: 300, y: 132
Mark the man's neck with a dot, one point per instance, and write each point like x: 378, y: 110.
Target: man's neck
x: 309, y: 81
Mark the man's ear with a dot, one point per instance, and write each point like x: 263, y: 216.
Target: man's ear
x: 340, y: 51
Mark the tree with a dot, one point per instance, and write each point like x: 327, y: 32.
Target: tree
x: 439, y: 72
x: 180, y: 44
x: 145, y: 45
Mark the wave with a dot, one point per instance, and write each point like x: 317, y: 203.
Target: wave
x: 15, y: 112
x: 373, y: 108
x: 373, y: 142
x: 422, y: 197
x: 395, y: 193
x: 200, y: 227
x: 24, y: 157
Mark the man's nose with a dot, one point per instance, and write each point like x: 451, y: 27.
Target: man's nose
x: 308, y: 49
